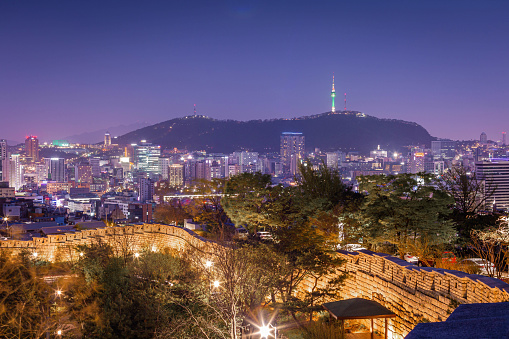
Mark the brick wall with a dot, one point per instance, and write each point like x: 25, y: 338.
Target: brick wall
x: 415, y: 294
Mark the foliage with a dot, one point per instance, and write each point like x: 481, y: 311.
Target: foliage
x: 25, y: 301
x: 404, y: 210
x: 171, y: 213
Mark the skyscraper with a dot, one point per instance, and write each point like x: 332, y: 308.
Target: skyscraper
x: 146, y: 157
x: 32, y: 148
x: 416, y: 160
x: 503, y: 139
x: 56, y: 169
x: 4, y: 161
x: 107, y: 139
x: 16, y: 172
x: 176, y: 175
x: 483, y: 139
x: 291, y: 151
x: 495, y: 174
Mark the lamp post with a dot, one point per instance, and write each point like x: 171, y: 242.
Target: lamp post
x: 268, y: 331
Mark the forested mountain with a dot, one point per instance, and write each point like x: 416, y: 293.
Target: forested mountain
x: 347, y: 131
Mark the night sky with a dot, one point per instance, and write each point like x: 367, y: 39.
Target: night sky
x: 68, y: 67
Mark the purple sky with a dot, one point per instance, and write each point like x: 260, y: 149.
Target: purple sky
x: 68, y: 67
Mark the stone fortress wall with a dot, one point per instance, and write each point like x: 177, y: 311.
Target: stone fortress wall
x: 415, y: 294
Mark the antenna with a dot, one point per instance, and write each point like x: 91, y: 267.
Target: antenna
x: 345, y: 101
x: 194, y: 109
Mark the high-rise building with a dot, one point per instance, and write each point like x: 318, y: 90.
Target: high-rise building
x: 4, y: 161
x: 146, y: 157
x: 41, y: 172
x: 495, y: 174
x: 145, y: 189
x: 107, y: 139
x: 417, y: 158
x: 176, y: 175
x: 16, y: 172
x: 249, y: 161
x: 503, y: 139
x: 332, y: 159
x: 483, y: 139
x: 56, y: 169
x: 32, y: 148
x: 83, y: 173
x: 443, y: 149
x: 164, y: 163
x: 291, y: 151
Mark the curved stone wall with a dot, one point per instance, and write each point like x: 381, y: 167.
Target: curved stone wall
x: 415, y: 294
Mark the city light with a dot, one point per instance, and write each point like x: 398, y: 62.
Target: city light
x: 216, y: 284
x: 208, y: 264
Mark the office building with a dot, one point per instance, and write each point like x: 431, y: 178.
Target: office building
x: 16, y: 172
x: 249, y: 161
x: 4, y: 161
x: 83, y: 173
x: 32, y: 149
x: 416, y: 161
x: 443, y: 149
x: 146, y: 157
x: 164, y: 163
x: 495, y: 174
x: 145, y: 189
x: 483, y: 139
x: 176, y: 175
x: 107, y: 140
x: 291, y: 151
x: 56, y: 169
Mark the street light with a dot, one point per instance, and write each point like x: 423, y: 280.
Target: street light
x: 208, y: 264
x: 267, y: 331
x: 59, y: 332
x: 215, y: 283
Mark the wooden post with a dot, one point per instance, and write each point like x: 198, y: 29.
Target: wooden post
x: 372, y: 330
x: 385, y: 328
x: 343, y: 327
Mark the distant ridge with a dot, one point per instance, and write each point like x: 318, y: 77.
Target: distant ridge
x: 343, y: 130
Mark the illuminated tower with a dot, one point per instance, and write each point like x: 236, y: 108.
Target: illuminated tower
x: 107, y: 139
x: 32, y: 148
x: 333, y: 95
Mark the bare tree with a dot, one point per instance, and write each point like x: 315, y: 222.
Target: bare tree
x: 491, y: 246
x: 470, y: 192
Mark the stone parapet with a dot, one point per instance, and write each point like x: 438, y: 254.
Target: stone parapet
x: 415, y: 294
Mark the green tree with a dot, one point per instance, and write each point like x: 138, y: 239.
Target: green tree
x: 405, y: 210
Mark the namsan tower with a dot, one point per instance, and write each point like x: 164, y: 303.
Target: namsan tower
x: 333, y: 95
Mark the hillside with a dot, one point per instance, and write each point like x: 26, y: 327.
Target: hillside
x: 343, y: 130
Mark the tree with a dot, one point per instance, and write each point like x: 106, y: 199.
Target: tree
x: 171, y: 213
x: 469, y: 192
x: 492, y: 246
x: 404, y: 210
x: 470, y: 196
x: 25, y: 301
x: 247, y: 196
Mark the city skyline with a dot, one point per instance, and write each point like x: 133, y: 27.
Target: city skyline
x: 78, y: 67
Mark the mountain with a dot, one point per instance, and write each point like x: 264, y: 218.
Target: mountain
x: 347, y: 131
x: 98, y: 135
